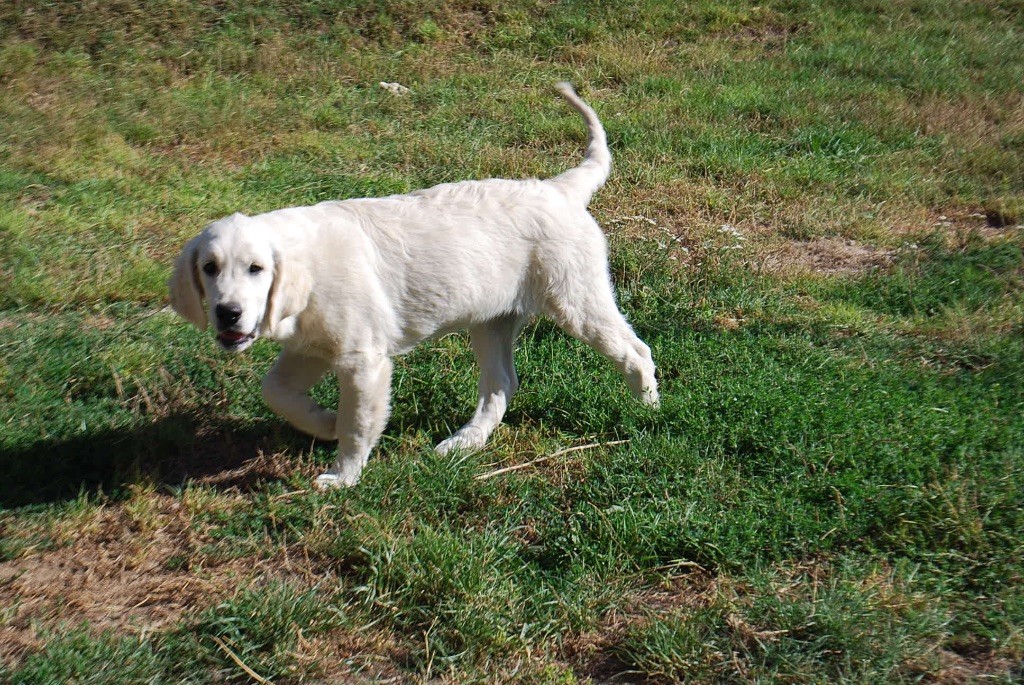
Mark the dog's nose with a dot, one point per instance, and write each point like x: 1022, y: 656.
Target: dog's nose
x: 228, y: 314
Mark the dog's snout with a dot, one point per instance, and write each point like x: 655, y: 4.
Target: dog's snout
x: 228, y: 314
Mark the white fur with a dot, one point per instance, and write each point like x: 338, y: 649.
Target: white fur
x: 347, y: 285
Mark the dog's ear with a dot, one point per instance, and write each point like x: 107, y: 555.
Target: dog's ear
x: 186, y: 287
x: 289, y: 295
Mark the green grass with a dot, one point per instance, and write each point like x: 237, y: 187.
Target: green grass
x: 784, y: 625
x: 80, y: 656
x: 830, y: 491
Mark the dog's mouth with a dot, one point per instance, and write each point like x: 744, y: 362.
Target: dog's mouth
x: 235, y: 340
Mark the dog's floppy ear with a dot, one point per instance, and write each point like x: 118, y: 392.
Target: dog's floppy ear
x: 186, y: 288
x: 289, y: 295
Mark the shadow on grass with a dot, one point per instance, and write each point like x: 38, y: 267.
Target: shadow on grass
x: 193, y: 441
x: 168, y: 451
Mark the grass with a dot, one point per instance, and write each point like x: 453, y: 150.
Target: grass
x: 780, y: 626
x: 813, y: 220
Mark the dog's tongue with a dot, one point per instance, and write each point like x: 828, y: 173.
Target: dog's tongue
x: 232, y: 336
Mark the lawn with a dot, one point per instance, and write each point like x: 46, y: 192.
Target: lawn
x: 815, y: 222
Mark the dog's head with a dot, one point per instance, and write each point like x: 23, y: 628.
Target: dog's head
x: 249, y: 290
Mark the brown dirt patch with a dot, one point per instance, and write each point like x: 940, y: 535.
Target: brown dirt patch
x: 114, y: 575
x: 132, y: 569
x: 831, y: 256
x: 984, y: 666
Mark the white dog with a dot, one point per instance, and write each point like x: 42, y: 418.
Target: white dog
x: 344, y: 286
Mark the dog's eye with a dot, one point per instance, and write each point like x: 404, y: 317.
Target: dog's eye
x: 210, y: 269
x: 255, y: 269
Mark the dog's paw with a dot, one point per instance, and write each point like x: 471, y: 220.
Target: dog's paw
x: 335, y: 481
x: 650, y: 398
x: 464, y: 440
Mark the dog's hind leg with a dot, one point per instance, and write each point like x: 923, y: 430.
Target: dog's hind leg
x: 593, y: 317
x: 493, y: 345
x: 286, y: 391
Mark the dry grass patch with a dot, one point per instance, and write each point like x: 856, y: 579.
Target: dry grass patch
x: 832, y: 256
x: 843, y: 622
x: 133, y: 568
x: 969, y: 121
x: 593, y: 652
x: 112, y: 572
x: 615, y: 63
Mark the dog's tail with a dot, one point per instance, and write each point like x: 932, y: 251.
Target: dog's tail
x: 584, y: 180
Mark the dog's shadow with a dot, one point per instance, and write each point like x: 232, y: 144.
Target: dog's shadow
x: 168, y: 451
x: 173, y: 451
x: 226, y: 453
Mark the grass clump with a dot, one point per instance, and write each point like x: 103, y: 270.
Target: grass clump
x: 261, y: 626
x: 76, y: 655
x: 849, y: 625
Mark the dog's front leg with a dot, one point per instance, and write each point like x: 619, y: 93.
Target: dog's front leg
x: 493, y: 344
x: 364, y: 390
x: 286, y: 390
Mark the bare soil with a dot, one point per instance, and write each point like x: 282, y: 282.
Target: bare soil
x: 831, y: 256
